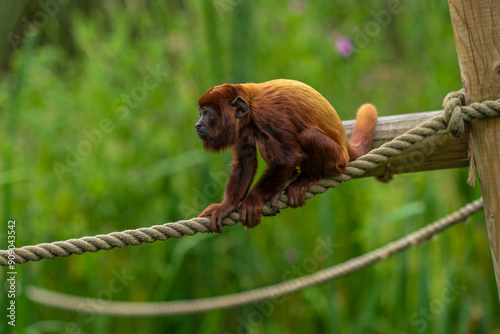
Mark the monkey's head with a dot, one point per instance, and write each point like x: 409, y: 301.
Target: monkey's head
x: 219, y: 109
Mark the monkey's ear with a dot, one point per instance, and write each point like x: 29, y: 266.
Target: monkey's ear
x: 241, y: 107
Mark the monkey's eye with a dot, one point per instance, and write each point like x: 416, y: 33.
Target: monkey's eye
x: 207, y: 114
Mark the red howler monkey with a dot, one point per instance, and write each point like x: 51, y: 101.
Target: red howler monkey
x: 293, y: 126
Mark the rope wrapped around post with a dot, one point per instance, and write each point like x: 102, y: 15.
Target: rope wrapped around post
x: 453, y: 119
x: 456, y: 113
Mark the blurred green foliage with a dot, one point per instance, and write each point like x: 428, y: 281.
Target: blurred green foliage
x: 97, y: 108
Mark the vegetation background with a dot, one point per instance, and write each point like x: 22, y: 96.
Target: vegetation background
x: 97, y: 108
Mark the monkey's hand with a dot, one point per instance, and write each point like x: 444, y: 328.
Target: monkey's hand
x: 218, y: 211
x: 251, y: 210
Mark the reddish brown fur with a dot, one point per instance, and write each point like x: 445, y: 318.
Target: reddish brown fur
x: 292, y: 126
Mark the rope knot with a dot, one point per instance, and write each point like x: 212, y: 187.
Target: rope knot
x: 452, y: 105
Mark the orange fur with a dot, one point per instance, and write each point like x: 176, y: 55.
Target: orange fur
x: 364, y: 129
x: 292, y: 126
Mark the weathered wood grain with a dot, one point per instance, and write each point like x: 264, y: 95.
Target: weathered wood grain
x: 476, y: 26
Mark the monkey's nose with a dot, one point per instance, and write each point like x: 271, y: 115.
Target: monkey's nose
x: 197, y: 126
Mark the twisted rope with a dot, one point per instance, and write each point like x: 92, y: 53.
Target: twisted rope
x: 456, y: 114
x: 453, y: 118
x: 82, y: 304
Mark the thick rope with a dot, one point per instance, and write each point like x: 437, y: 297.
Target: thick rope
x: 455, y: 113
x: 82, y: 304
x: 189, y: 227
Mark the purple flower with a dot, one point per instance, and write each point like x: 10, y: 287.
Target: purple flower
x: 343, y: 45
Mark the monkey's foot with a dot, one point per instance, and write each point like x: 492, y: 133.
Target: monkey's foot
x: 297, y: 191
x: 251, y: 211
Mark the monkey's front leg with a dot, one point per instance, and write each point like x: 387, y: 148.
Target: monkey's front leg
x: 275, y: 198
x: 217, y: 211
x: 242, y: 173
x: 272, y: 182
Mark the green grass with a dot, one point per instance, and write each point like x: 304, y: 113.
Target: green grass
x: 146, y: 166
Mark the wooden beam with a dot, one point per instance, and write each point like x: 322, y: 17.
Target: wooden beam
x: 436, y: 152
x: 476, y: 26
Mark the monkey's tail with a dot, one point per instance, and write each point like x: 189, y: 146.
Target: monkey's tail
x: 364, y: 130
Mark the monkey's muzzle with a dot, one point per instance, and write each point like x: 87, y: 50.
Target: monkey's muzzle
x: 201, y: 130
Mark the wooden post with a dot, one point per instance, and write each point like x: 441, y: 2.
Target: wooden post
x: 476, y: 26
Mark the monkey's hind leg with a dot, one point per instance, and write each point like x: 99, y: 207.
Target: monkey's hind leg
x: 324, y: 157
